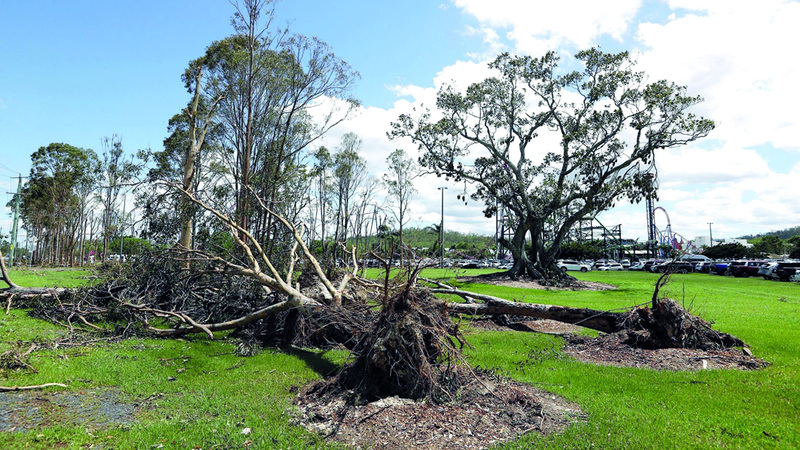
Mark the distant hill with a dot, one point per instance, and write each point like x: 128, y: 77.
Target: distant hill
x: 783, y: 234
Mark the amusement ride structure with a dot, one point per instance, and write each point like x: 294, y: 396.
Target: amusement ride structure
x: 666, y: 236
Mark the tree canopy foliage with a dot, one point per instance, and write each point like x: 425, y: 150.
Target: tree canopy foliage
x: 54, y: 199
x: 551, y: 146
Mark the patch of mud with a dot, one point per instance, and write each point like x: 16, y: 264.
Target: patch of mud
x: 23, y: 411
x: 611, y: 350
x: 491, y: 410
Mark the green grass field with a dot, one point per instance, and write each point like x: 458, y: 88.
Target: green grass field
x: 196, y: 393
x: 48, y: 277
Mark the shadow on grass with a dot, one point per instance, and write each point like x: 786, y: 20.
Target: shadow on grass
x: 317, y: 362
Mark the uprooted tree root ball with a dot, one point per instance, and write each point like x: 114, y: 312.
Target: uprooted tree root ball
x: 412, y: 350
x: 666, y: 324
x: 407, y: 387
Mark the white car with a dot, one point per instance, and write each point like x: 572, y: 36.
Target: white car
x: 611, y: 266
x: 568, y: 264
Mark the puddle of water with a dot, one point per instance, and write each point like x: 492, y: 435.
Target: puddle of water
x: 23, y: 411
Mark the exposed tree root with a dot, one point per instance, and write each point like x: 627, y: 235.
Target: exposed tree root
x: 668, y: 325
x: 410, y: 351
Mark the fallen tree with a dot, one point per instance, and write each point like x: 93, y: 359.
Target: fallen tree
x: 401, y: 336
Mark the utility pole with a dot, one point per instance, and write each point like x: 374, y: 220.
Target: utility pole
x: 710, y: 236
x: 441, y: 230
x: 14, y: 227
x: 122, y: 233
x: 651, y: 224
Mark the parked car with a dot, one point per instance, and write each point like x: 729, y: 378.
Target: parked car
x: 650, y: 264
x: 599, y: 263
x: 626, y: 263
x: 611, y: 266
x: 568, y: 264
x: 704, y: 267
x: 638, y: 265
x: 720, y: 268
x: 767, y: 270
x: 784, y: 270
x: 745, y: 268
x: 694, y: 259
x: 674, y: 267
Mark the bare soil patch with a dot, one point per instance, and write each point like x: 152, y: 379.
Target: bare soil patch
x: 611, y: 350
x: 519, y: 323
x: 574, y: 285
x: 492, y: 410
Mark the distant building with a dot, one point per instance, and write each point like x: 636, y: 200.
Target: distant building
x: 702, y: 241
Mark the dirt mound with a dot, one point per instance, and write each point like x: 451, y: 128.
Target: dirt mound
x: 491, y: 410
x: 566, y: 285
x: 612, y: 350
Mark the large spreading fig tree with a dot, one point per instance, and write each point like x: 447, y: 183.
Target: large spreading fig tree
x: 551, y: 146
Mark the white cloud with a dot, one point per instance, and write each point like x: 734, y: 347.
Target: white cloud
x: 687, y: 166
x: 538, y: 26
x: 493, y: 45
x: 738, y: 56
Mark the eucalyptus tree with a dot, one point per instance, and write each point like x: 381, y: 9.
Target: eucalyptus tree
x: 53, y: 200
x: 349, y: 173
x: 323, y: 161
x: 399, y: 183
x: 278, y: 93
x: 187, y: 160
x: 116, y: 171
x: 553, y: 146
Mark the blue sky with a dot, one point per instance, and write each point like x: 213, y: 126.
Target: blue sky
x: 80, y: 70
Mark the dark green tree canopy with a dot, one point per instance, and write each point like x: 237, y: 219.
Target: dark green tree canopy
x: 551, y: 146
x: 59, y: 172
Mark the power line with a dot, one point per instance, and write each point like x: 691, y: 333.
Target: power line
x: 5, y: 167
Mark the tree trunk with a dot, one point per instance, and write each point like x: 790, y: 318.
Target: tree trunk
x: 604, y: 321
x: 4, y: 273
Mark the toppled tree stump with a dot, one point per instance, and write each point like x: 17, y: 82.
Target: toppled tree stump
x: 666, y: 324
x: 410, y: 351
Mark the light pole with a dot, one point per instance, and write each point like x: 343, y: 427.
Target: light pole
x: 710, y: 236
x: 441, y: 229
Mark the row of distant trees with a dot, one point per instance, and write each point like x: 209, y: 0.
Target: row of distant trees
x: 72, y: 197
x: 75, y: 202
x: 763, y: 247
x: 246, y: 145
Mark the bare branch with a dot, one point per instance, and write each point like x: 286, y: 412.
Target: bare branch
x: 29, y: 388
